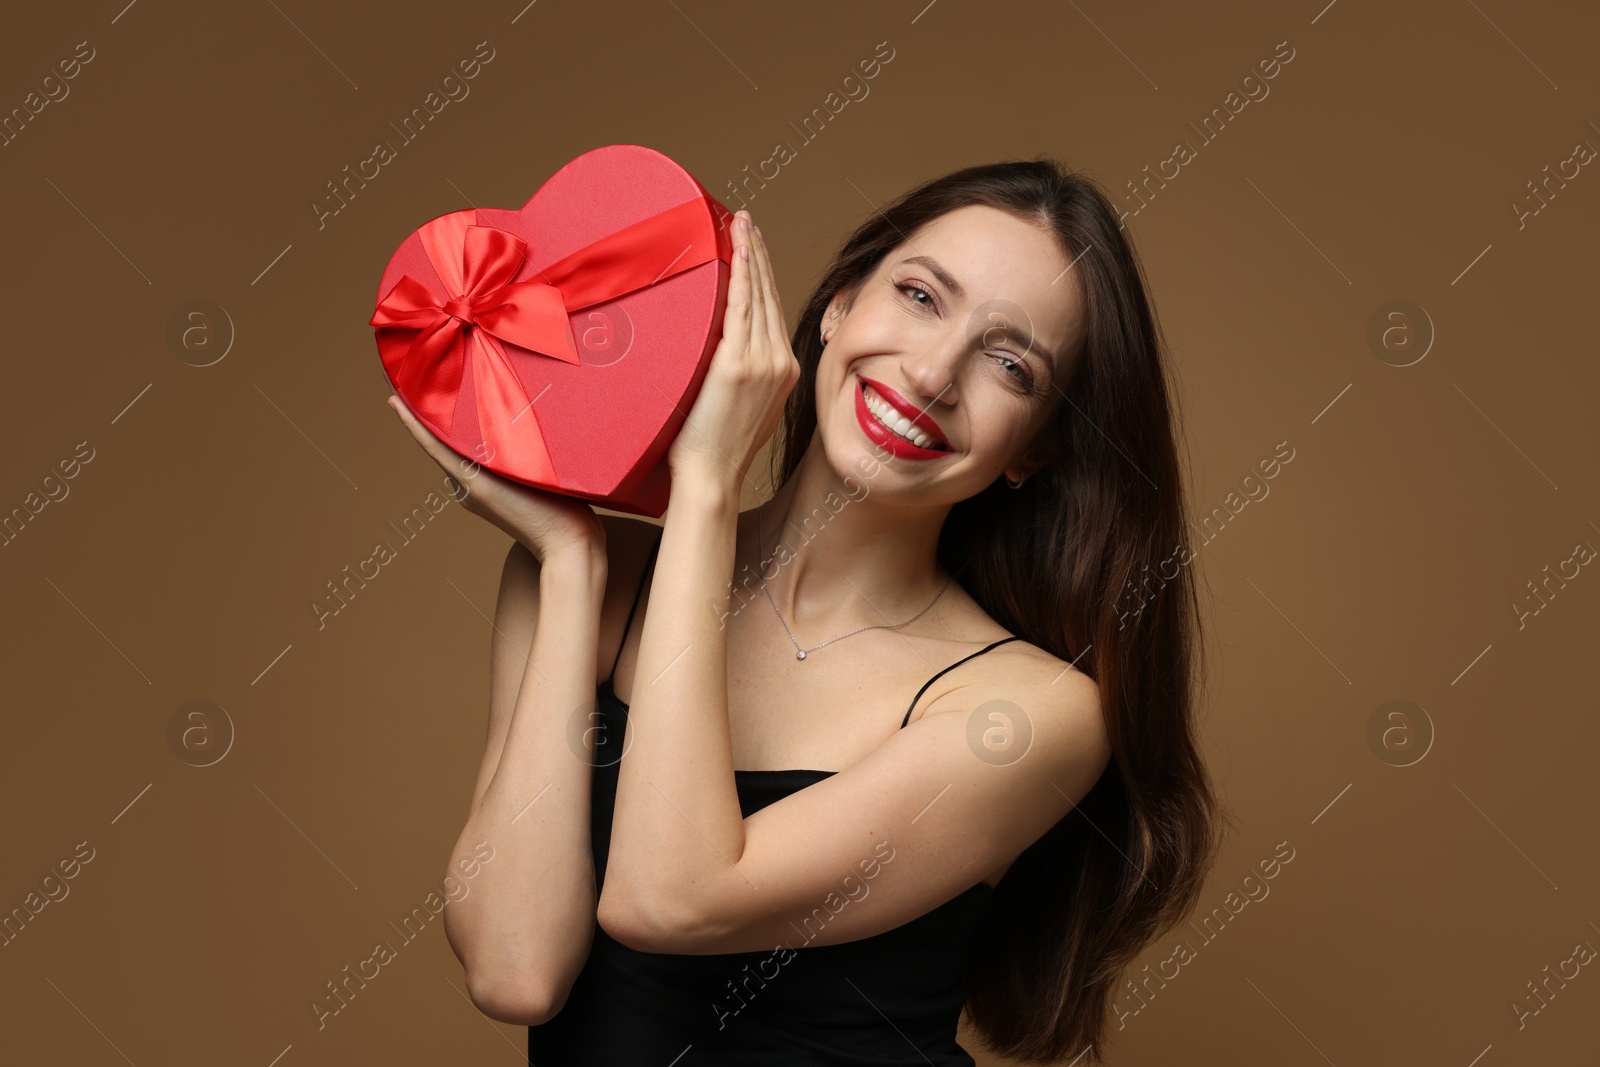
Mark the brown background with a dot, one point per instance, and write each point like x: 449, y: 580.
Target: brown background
x: 1382, y: 565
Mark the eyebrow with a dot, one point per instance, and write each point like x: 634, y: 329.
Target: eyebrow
x: 1015, y: 333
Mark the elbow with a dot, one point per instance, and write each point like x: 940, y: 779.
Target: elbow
x: 514, y: 999
x: 644, y: 922
x: 504, y: 989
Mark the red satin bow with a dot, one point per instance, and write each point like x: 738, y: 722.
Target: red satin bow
x: 485, y: 309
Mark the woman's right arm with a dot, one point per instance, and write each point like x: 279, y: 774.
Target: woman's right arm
x: 525, y: 928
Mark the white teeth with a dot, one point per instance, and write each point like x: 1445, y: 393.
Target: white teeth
x: 897, y: 422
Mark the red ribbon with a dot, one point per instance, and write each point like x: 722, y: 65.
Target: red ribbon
x: 426, y: 340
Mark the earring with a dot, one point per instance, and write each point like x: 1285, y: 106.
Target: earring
x: 1014, y: 484
x: 827, y: 331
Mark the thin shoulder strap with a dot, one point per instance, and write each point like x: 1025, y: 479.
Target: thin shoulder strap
x: 648, y: 563
x: 957, y: 663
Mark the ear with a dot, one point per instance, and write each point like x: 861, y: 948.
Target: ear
x: 1031, y: 462
x: 838, y: 306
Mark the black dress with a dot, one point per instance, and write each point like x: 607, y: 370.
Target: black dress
x: 893, y: 998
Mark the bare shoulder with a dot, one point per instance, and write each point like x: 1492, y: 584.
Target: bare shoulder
x: 1046, y: 693
x: 1029, y: 664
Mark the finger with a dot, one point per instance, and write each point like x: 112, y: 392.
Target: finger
x: 436, y: 449
x: 772, y: 304
x: 736, y: 317
x: 771, y: 314
x: 425, y: 437
x: 777, y: 346
x: 758, y: 287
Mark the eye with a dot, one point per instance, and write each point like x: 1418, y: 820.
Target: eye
x: 913, y: 288
x: 1024, y: 378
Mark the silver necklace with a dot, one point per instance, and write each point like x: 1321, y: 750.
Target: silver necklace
x: 800, y: 653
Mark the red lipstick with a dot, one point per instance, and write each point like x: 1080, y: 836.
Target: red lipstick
x: 886, y: 438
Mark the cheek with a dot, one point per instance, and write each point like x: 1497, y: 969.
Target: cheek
x: 1001, y: 432
x: 992, y: 425
x: 832, y: 375
x: 876, y: 324
x: 833, y: 397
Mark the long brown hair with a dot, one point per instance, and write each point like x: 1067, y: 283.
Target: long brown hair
x: 1054, y: 562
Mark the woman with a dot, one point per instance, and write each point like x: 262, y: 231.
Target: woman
x: 977, y: 469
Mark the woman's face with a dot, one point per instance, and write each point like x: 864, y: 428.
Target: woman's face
x: 966, y: 331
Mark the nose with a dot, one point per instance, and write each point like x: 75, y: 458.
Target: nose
x: 930, y: 369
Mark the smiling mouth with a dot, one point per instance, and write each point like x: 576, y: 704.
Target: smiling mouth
x: 890, y: 419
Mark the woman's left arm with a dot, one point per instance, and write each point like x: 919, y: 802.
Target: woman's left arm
x: 676, y: 779
x: 922, y: 817
x: 677, y: 827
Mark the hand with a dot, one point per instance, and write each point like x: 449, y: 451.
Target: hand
x: 750, y: 376
x: 546, y: 523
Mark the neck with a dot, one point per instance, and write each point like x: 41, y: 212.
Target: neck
x: 838, y: 554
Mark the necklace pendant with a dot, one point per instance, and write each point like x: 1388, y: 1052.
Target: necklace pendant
x: 800, y: 654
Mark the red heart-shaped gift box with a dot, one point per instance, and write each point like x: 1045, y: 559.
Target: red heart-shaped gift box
x: 562, y: 345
